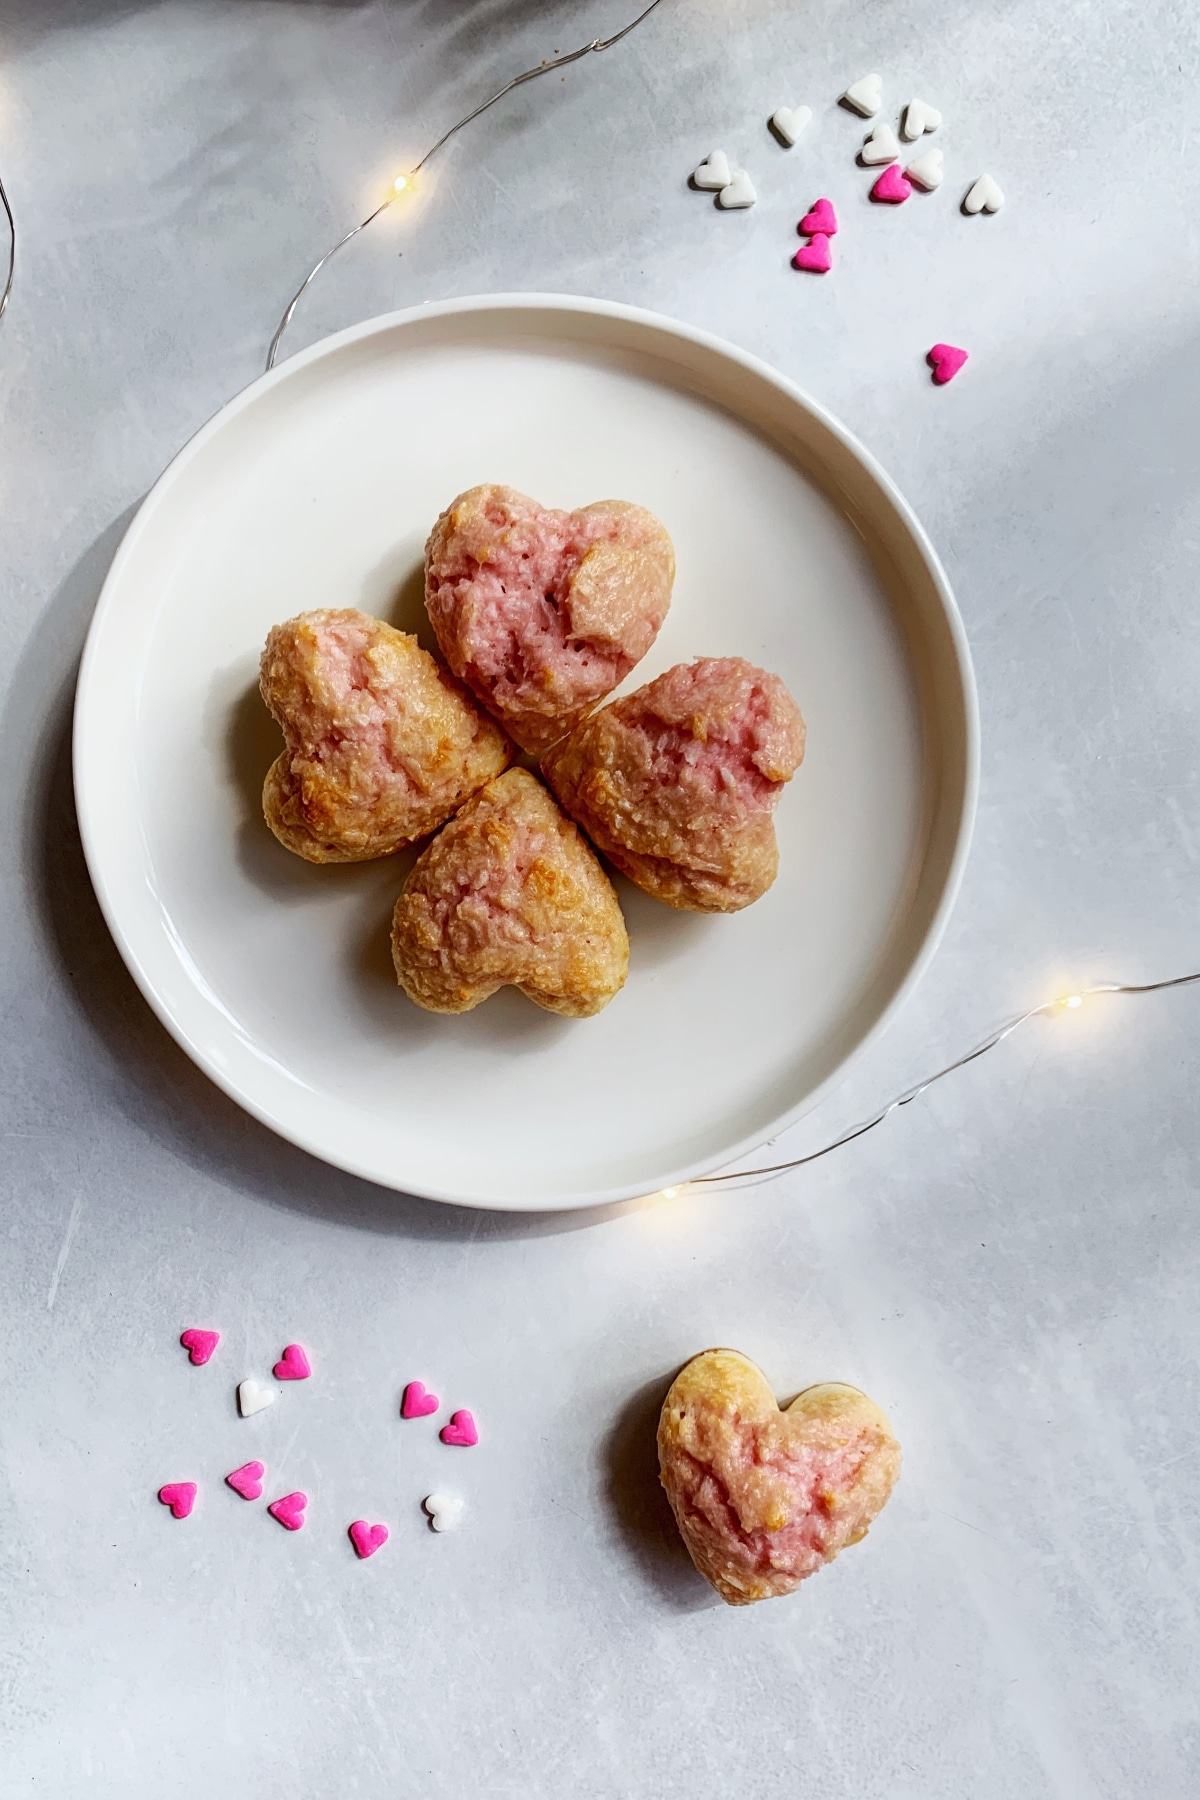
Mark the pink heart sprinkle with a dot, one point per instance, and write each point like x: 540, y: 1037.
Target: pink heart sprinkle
x: 891, y: 186
x: 945, y: 360
x: 367, y: 1539
x: 290, y: 1510
x: 417, y: 1403
x: 460, y: 1430
x: 816, y: 257
x: 199, y: 1344
x: 292, y: 1365
x: 180, y: 1496
x: 821, y: 221
x: 247, y: 1481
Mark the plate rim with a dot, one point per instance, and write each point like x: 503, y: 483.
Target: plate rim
x: 88, y: 806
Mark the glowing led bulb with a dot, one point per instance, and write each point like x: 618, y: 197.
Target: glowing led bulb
x: 400, y: 183
x: 1073, y: 1000
x: 669, y: 1193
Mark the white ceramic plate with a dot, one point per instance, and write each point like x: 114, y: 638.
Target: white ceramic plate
x: 317, y: 487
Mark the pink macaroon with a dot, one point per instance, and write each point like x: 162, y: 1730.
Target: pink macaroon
x: 765, y: 1496
x: 676, y: 783
x: 541, y: 613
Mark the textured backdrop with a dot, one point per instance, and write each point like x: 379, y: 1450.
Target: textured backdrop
x: 1010, y: 1267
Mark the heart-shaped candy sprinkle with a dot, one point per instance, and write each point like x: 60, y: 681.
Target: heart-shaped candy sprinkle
x: 738, y: 192
x: 891, y: 187
x: 865, y: 96
x: 292, y: 1365
x: 460, y: 1430
x: 983, y: 196
x: 418, y: 1402
x: 714, y: 171
x: 764, y: 1497
x: 247, y: 1481
x: 816, y: 257
x: 822, y: 219
x: 445, y: 1510
x: 790, y: 121
x: 289, y: 1510
x: 945, y: 360
x: 919, y: 116
x: 926, y: 170
x: 883, y: 146
x: 367, y: 1539
x: 180, y: 1496
x: 199, y: 1344
x: 253, y: 1395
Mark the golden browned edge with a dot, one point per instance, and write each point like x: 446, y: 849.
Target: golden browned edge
x: 297, y: 837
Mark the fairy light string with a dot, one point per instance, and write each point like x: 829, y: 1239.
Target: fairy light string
x: 12, y: 251
x: 404, y: 182
x: 1063, y: 1003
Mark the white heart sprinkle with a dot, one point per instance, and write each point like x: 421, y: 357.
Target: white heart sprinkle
x: 714, y: 171
x: 919, y: 116
x: 865, y: 96
x: 926, y: 170
x: 790, y: 121
x: 739, y: 192
x: 445, y: 1510
x: 883, y: 146
x: 984, y: 196
x: 253, y: 1396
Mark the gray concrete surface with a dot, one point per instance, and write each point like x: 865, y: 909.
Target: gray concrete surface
x: 1009, y: 1267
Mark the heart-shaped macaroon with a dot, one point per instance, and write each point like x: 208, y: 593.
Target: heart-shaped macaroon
x: 510, y: 894
x: 919, y: 116
x: 820, y: 221
x: 983, y: 195
x: 180, y: 1496
x: 883, y: 146
x: 865, y: 96
x: 764, y: 1497
x: 789, y: 121
x: 542, y: 613
x: 382, y: 746
x: 199, y: 1344
x: 713, y: 172
x: 891, y: 188
x: 676, y: 783
x: 740, y: 191
x: 816, y: 257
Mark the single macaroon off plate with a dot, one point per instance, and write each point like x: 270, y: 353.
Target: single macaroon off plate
x: 317, y: 487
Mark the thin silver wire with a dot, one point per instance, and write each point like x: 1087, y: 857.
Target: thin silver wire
x: 543, y: 68
x: 12, y: 251
x: 913, y: 1093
